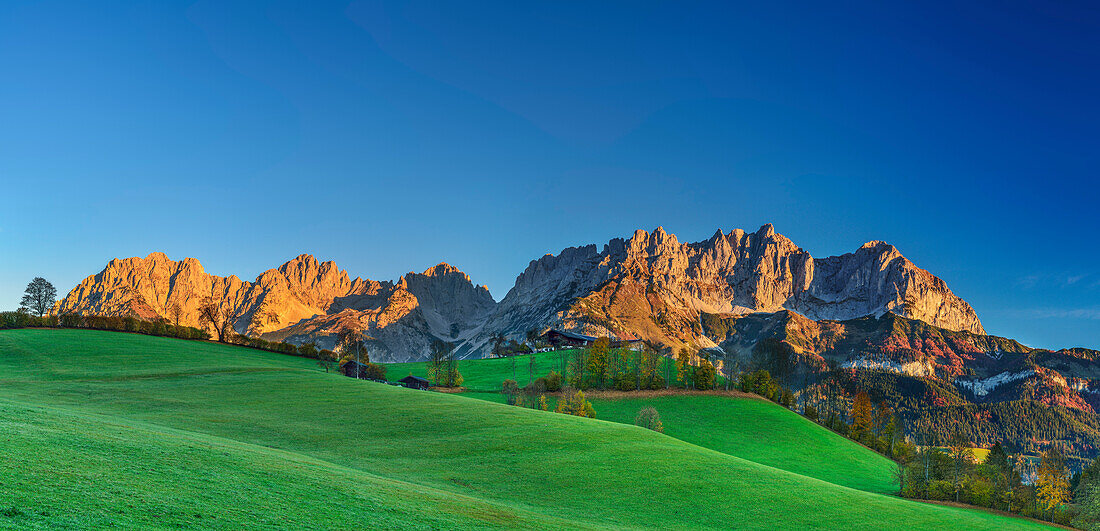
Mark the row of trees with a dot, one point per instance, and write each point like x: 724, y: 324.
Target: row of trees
x: 23, y: 319
x: 599, y: 366
x: 951, y: 473
x: 945, y: 469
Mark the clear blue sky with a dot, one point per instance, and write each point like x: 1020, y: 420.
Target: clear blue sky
x: 389, y: 137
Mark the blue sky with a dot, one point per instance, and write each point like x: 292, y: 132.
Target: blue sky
x: 391, y: 136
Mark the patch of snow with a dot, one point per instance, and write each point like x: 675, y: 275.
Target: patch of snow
x: 984, y: 386
x: 912, y: 368
x: 1081, y: 385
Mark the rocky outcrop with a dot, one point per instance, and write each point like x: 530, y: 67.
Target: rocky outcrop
x: 301, y: 301
x: 654, y: 287
x: 649, y: 286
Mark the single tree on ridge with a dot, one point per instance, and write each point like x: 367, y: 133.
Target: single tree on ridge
x: 39, y: 297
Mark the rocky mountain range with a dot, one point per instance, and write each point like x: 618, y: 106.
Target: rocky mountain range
x: 301, y: 301
x: 653, y: 287
x: 649, y: 286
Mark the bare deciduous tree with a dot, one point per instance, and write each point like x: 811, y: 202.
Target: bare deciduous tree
x: 175, y: 311
x: 260, y: 318
x: 39, y: 297
x: 220, y: 318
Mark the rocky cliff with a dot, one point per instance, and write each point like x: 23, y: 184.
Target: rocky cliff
x: 654, y: 287
x: 302, y: 300
x: 649, y: 286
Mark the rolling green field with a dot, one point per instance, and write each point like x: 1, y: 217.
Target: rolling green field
x: 753, y: 429
x: 107, y: 429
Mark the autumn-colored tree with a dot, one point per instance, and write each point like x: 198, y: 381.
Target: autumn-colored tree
x: 862, y: 416
x: 685, y: 372
x: 883, y: 416
x: 1052, y: 485
x: 442, y: 365
x: 597, y: 362
x: 649, y: 370
x: 577, y: 405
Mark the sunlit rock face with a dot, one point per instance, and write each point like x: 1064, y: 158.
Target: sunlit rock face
x: 306, y: 301
x: 650, y: 286
x: 654, y: 287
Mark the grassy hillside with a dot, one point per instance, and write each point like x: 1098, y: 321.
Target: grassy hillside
x: 89, y: 472
x: 749, y: 428
x: 253, y: 438
x: 486, y: 374
x: 762, y: 432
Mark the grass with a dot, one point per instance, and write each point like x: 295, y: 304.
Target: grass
x: 749, y: 428
x: 762, y: 432
x: 107, y: 429
x: 486, y: 375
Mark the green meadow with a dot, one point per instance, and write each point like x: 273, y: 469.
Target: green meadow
x: 750, y: 428
x: 105, y: 429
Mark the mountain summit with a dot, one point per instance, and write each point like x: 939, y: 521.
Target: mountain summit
x: 303, y: 300
x: 653, y: 287
x: 650, y: 286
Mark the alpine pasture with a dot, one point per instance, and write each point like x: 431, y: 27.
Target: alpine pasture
x: 111, y: 429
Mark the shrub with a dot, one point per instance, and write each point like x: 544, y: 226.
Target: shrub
x: 374, y: 371
x: 510, y: 390
x: 71, y: 320
x: 309, y: 350
x: 626, y: 383
x: 577, y: 405
x: 941, y: 490
x: 810, y: 412
x: 553, y: 382
x: 648, y: 418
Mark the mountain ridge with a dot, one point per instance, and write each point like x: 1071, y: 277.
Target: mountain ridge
x: 650, y: 286
x: 653, y: 287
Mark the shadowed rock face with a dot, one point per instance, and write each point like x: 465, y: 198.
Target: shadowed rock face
x: 649, y: 286
x: 307, y: 301
x: 654, y: 287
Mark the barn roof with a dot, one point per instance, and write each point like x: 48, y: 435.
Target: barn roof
x: 411, y: 378
x: 572, y: 335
